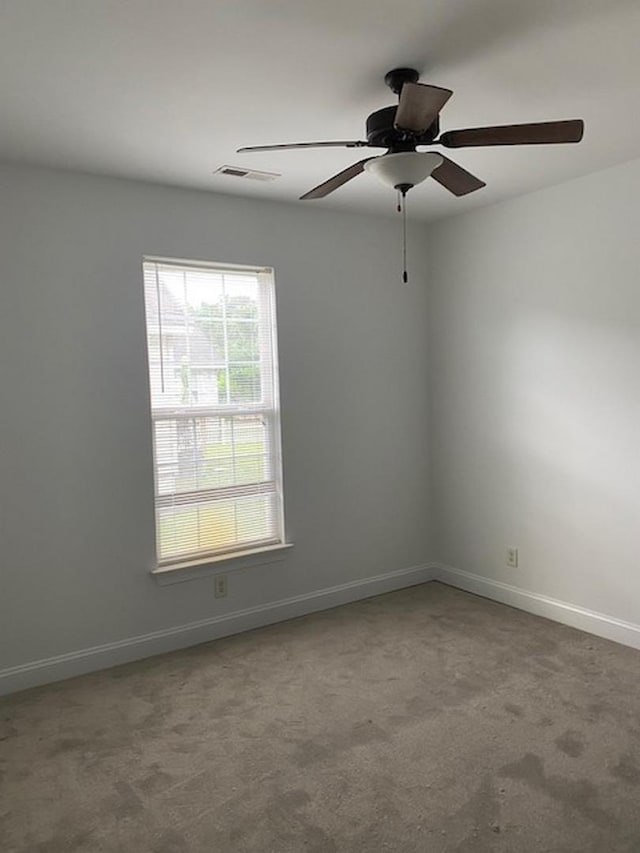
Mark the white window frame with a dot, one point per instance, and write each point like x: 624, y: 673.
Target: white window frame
x: 269, y: 409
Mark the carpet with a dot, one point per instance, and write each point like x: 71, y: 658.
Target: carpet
x: 424, y: 720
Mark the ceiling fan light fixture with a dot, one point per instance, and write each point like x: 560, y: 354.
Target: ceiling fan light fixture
x: 403, y: 169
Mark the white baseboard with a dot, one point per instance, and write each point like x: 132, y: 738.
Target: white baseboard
x: 599, y: 624
x: 80, y: 662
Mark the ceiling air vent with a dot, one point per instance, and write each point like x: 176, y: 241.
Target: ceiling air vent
x: 249, y: 174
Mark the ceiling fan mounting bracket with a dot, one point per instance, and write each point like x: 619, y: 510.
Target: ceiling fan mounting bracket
x: 381, y: 131
x: 397, y: 77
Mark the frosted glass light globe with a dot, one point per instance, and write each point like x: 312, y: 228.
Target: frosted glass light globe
x: 406, y: 168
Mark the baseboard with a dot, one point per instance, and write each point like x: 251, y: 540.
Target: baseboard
x: 83, y: 661
x: 599, y: 624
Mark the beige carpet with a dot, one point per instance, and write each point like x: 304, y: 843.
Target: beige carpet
x: 425, y: 720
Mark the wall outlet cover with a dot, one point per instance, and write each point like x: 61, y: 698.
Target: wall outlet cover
x: 220, y: 589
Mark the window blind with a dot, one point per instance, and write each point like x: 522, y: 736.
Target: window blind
x: 211, y: 342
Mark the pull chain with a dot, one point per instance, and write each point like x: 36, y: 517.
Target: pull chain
x: 402, y: 208
x: 405, y: 276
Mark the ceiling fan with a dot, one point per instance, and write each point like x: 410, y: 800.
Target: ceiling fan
x: 414, y: 122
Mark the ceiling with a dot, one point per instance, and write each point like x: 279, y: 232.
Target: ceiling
x: 166, y: 90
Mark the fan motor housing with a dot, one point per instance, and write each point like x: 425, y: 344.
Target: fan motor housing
x: 381, y: 131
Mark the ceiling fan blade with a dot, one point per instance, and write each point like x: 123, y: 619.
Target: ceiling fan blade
x: 456, y: 179
x: 542, y: 133
x: 337, y: 180
x: 289, y: 145
x: 419, y: 106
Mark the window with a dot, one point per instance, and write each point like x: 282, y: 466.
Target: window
x: 211, y: 339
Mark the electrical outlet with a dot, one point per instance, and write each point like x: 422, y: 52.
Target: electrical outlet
x: 220, y: 589
x: 512, y: 557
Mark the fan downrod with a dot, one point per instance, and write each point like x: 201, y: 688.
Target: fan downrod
x: 397, y: 77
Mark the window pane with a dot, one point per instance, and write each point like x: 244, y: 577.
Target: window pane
x: 243, y: 341
x: 242, y: 297
x: 211, y: 452
x: 195, y: 529
x: 244, y: 384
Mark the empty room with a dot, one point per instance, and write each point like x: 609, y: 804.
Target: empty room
x: 320, y: 426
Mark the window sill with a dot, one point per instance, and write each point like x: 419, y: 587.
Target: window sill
x: 181, y: 572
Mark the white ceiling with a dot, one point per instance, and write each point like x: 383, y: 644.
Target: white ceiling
x: 166, y: 90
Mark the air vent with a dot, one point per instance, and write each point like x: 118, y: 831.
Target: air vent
x: 248, y: 174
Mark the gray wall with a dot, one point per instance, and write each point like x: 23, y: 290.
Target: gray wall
x: 530, y: 341
x: 534, y: 327
x: 76, y: 520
